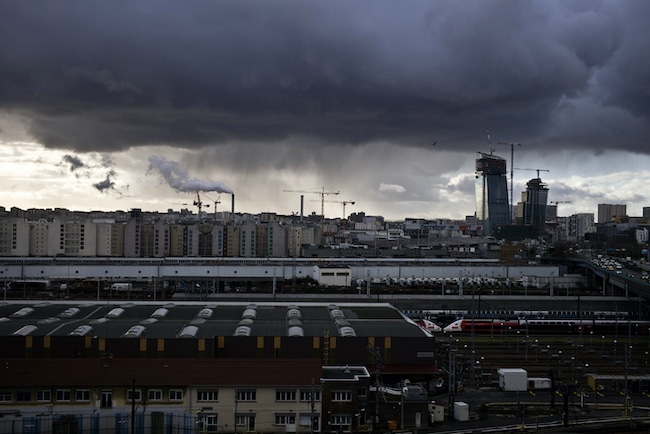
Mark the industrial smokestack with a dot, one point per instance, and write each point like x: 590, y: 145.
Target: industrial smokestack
x: 302, y: 204
x: 232, y: 208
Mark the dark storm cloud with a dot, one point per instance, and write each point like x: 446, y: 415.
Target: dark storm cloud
x: 104, y: 76
x: 74, y: 162
x: 107, y: 183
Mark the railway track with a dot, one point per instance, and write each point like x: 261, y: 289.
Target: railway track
x: 566, y: 359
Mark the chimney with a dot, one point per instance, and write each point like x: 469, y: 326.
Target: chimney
x: 302, y: 204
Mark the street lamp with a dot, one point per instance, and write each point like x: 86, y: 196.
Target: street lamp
x: 405, y: 393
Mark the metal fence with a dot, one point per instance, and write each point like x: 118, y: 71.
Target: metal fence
x: 115, y: 423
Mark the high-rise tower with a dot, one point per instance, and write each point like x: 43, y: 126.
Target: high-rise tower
x: 534, y: 203
x: 492, y: 207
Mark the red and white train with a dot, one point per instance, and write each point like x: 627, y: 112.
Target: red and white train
x: 429, y: 326
x: 569, y: 326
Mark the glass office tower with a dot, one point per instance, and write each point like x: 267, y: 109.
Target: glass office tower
x: 534, y: 203
x: 492, y: 206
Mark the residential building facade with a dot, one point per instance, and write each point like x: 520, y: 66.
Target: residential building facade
x: 610, y: 212
x: 166, y: 395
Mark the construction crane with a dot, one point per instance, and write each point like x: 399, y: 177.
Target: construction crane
x: 512, y: 166
x: 556, y: 202
x: 344, y: 203
x: 557, y: 217
x: 198, y: 203
x: 215, y: 201
x: 322, y: 197
x: 537, y: 170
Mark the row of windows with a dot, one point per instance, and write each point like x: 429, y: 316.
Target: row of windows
x: 209, y: 422
x: 83, y: 395
x: 45, y: 395
x: 280, y: 395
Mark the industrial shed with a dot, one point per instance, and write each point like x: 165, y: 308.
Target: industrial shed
x: 333, y: 276
x: 334, y: 333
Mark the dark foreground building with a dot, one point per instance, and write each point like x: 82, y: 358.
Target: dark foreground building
x: 197, y: 367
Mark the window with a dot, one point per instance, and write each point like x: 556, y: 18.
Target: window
x: 23, y: 396
x: 207, y: 395
x: 82, y: 395
x: 44, y: 396
x: 155, y: 395
x: 362, y: 392
x: 246, y: 421
x: 341, y: 395
x: 246, y: 395
x: 341, y: 421
x: 305, y: 395
x: 306, y: 417
x: 63, y: 395
x: 107, y: 399
x: 285, y: 395
x: 282, y: 419
x: 208, y: 423
x: 5, y: 396
x: 133, y: 395
x: 175, y: 394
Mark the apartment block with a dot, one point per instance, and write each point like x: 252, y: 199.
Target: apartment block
x: 14, y: 236
x: 610, y: 213
x: 578, y: 225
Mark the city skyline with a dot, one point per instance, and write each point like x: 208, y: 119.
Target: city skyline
x: 261, y: 98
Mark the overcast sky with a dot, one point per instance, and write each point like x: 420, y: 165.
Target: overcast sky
x: 259, y: 97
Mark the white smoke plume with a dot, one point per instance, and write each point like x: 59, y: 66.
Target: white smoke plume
x: 178, y: 179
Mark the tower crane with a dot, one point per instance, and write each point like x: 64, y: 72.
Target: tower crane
x: 556, y: 202
x: 537, y: 170
x: 512, y: 166
x: 198, y: 203
x: 216, y: 201
x: 557, y: 217
x: 344, y: 203
x: 322, y: 197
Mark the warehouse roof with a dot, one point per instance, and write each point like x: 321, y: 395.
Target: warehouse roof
x: 202, y: 320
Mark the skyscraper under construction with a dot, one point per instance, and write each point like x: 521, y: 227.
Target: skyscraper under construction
x: 492, y: 206
x: 533, y: 202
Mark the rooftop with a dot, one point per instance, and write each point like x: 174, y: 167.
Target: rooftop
x: 165, y: 320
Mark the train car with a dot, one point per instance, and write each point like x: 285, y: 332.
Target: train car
x: 620, y: 327
x: 554, y: 326
x: 429, y: 326
x: 482, y: 326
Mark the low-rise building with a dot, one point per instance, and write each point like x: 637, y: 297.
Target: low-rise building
x: 333, y: 276
x: 165, y: 395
